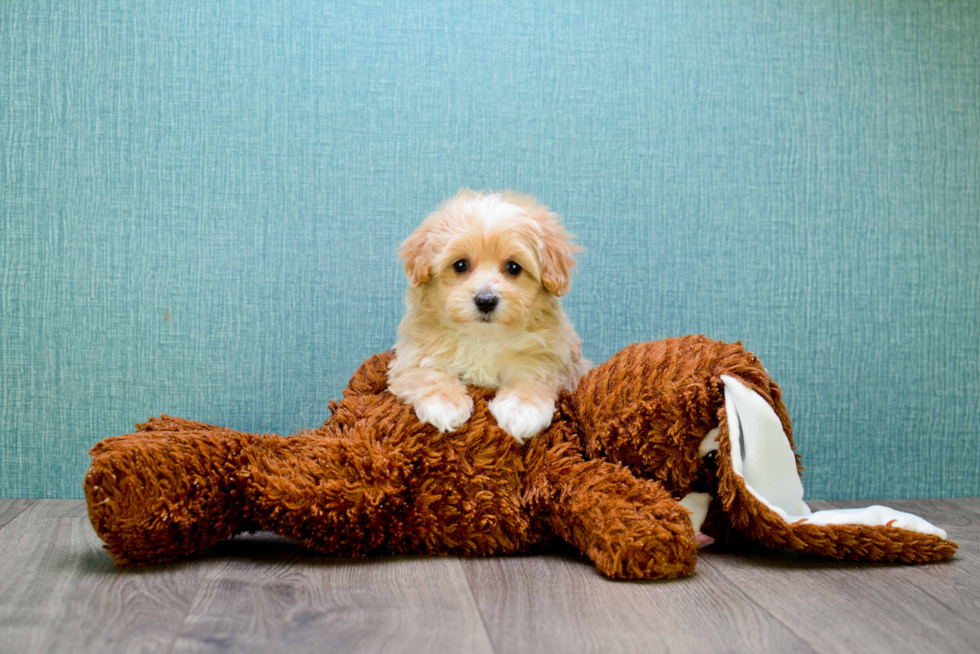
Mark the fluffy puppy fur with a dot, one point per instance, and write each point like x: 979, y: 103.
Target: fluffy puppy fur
x: 485, y: 273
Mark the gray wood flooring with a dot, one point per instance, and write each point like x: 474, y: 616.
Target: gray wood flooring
x: 59, y: 592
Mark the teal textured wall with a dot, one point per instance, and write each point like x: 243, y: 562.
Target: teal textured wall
x: 201, y: 202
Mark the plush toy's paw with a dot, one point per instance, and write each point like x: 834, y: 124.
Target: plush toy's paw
x: 445, y: 413
x: 519, y: 418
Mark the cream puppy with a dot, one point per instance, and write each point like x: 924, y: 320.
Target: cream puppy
x: 485, y: 273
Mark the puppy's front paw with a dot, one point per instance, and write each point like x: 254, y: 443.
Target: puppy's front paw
x: 521, y: 419
x: 443, y: 413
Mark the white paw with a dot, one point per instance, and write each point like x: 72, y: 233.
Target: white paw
x: 522, y: 420
x: 443, y: 415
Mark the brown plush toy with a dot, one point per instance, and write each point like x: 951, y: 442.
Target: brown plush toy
x: 665, y: 446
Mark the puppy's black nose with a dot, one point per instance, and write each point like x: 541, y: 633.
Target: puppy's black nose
x: 486, y: 302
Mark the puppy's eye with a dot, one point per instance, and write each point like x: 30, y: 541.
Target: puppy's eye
x: 461, y: 266
x: 513, y: 268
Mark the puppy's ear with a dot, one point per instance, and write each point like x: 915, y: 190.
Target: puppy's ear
x: 416, y: 253
x: 556, y: 247
x: 556, y: 258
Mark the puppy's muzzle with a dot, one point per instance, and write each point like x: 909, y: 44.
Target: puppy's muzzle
x: 486, y: 302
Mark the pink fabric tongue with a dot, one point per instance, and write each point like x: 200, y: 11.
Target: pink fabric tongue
x: 703, y: 540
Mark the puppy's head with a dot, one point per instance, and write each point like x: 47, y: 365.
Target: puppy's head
x: 489, y: 258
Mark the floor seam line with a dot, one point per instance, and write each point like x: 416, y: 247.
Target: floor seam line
x: 741, y: 593
x: 187, y: 614
x: 479, y: 611
x: 32, y: 503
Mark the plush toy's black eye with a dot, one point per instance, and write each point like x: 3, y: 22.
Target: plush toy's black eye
x: 711, y: 460
x: 461, y: 266
x: 513, y: 268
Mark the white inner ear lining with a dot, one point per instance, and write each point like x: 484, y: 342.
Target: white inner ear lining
x: 762, y: 456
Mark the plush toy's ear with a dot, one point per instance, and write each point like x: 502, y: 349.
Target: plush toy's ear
x: 760, y: 491
x: 372, y: 377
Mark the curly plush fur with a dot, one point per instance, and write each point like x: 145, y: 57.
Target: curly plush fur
x: 605, y: 476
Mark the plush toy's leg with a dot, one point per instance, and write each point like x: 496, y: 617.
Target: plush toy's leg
x: 379, y: 481
x: 175, y: 488
x: 630, y: 527
x: 372, y: 479
x: 171, y: 489
x: 337, y: 495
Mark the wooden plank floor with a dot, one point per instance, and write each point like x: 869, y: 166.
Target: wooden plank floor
x: 59, y: 592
